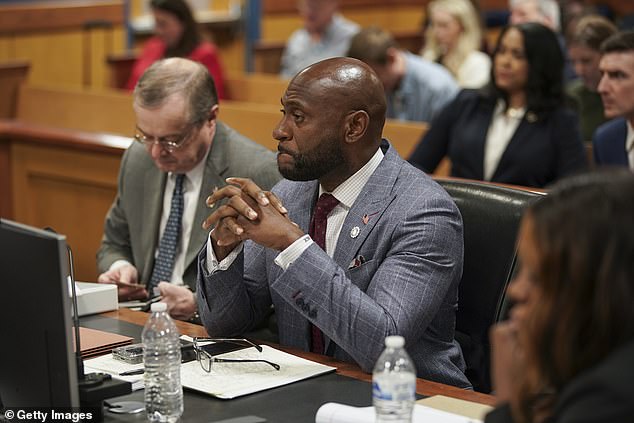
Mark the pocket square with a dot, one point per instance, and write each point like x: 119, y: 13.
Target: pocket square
x: 358, y: 261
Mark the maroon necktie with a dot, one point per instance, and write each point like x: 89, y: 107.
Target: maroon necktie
x: 317, y: 232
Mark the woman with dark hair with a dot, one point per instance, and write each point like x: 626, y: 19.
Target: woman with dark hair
x: 516, y: 130
x: 177, y: 35
x: 567, y: 352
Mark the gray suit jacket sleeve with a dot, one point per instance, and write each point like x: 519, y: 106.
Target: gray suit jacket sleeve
x: 412, y: 251
x: 115, y: 243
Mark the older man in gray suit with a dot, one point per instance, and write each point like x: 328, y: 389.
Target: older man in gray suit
x: 181, y: 152
x: 386, y: 260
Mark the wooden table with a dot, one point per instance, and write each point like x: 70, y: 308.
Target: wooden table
x: 423, y: 387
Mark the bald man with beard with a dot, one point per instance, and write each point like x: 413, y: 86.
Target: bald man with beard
x: 386, y: 260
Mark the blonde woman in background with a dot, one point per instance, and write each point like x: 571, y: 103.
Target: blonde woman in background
x: 453, y: 39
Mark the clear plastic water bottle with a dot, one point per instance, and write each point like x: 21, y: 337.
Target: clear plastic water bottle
x: 394, y: 383
x: 162, y: 362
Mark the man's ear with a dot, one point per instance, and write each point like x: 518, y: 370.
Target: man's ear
x: 356, y: 126
x: 391, y: 54
x: 213, y: 113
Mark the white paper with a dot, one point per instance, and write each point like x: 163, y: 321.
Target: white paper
x: 332, y: 412
x: 107, y: 364
x: 231, y: 380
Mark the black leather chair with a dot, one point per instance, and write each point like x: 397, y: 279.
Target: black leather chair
x: 491, y: 215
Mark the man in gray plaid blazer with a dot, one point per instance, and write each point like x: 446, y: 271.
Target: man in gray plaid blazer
x: 393, y: 241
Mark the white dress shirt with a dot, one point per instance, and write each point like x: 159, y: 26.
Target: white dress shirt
x: 191, y: 191
x: 503, y: 126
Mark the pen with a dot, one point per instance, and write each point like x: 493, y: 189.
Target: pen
x: 132, y: 372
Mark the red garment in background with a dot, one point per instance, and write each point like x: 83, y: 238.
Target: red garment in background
x: 205, y: 53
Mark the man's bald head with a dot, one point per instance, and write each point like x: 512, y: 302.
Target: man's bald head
x: 348, y: 85
x: 178, y: 76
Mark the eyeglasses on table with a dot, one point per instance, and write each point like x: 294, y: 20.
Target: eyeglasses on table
x: 206, y: 360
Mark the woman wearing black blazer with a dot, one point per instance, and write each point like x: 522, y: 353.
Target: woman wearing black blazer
x: 516, y: 130
x: 566, y: 354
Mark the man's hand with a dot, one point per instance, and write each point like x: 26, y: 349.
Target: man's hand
x: 181, y: 302
x: 126, y: 277
x: 249, y: 213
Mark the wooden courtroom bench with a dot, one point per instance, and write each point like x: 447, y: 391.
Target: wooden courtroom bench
x: 12, y: 74
x: 110, y: 111
x: 63, y: 179
x: 62, y: 157
x: 240, y: 86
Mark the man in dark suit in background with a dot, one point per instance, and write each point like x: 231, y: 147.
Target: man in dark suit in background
x: 613, y: 142
x: 181, y: 152
x: 380, y: 252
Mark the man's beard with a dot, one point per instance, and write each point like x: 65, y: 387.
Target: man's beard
x: 315, y: 163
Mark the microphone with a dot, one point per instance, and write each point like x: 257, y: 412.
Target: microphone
x: 84, y: 380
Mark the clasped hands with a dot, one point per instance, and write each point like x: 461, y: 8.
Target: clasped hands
x: 248, y: 213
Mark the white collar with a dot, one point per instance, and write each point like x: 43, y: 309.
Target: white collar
x: 348, y: 191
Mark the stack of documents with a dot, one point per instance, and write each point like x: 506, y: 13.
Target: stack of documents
x: 93, y: 298
x: 339, y: 413
x: 226, y: 380
x: 96, y: 342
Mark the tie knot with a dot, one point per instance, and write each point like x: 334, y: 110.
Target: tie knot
x: 178, y: 183
x: 325, y: 204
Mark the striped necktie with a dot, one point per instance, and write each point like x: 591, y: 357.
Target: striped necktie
x: 317, y: 232
x: 168, y: 244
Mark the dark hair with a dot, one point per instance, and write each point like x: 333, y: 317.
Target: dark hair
x: 191, y: 36
x: 370, y: 45
x: 586, y: 277
x: 544, y: 86
x: 591, y: 31
x: 622, y: 41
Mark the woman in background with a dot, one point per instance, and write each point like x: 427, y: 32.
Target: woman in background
x: 177, y: 35
x: 453, y: 39
x: 567, y: 352
x: 584, y: 45
x: 517, y: 129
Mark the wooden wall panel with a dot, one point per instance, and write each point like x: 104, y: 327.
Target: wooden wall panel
x: 56, y: 56
x: 70, y: 191
x: 86, y: 110
x: 66, y: 43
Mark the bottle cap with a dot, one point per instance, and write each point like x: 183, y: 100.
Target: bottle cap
x: 394, y: 341
x: 158, y: 307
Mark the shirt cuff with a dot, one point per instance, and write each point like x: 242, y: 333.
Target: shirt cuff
x: 293, y: 251
x: 119, y: 263
x: 213, y: 265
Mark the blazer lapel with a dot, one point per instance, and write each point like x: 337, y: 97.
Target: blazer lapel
x: 213, y: 176
x: 485, y: 113
x: 366, y: 211
x: 152, y: 197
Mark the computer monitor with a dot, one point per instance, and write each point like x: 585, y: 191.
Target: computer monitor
x: 37, y: 361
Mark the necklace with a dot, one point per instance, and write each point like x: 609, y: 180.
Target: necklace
x: 515, y: 112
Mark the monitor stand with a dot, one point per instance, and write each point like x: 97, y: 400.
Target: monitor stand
x: 93, y: 390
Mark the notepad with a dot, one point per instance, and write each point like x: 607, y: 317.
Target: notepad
x: 232, y: 380
x: 107, y: 364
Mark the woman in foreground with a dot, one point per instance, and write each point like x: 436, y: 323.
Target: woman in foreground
x: 567, y: 352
